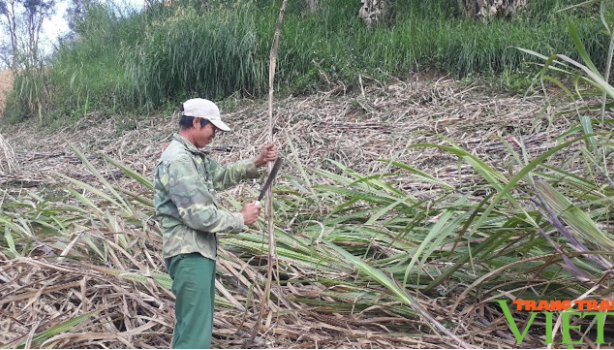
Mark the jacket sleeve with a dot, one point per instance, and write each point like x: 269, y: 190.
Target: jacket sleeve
x: 231, y: 174
x: 195, y: 204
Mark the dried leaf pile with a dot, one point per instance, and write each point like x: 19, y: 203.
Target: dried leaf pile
x: 124, y: 307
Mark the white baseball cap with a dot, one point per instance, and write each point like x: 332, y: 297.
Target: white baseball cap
x: 199, y: 107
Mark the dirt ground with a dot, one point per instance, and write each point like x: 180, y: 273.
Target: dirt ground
x: 6, y: 82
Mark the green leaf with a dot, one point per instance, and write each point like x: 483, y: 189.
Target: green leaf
x: 63, y: 327
x: 574, y: 216
x: 131, y: 173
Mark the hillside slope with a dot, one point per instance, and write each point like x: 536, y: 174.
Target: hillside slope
x: 6, y: 83
x: 356, y: 129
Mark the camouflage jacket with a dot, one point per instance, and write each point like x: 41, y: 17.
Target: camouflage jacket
x: 185, y: 181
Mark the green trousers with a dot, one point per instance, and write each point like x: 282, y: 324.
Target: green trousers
x: 194, y: 288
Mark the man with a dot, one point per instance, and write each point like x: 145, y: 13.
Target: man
x: 187, y: 209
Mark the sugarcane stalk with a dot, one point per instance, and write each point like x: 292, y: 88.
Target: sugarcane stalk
x: 269, y: 197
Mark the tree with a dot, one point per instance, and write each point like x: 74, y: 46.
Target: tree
x: 5, y: 55
x: 76, y: 14
x: 9, y: 22
x: 374, y: 12
x: 313, y: 5
x: 23, y: 21
x: 377, y: 12
x: 489, y: 9
x: 36, y: 11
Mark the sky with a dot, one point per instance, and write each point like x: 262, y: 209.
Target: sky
x: 57, y: 26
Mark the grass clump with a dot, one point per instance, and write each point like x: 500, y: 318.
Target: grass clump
x: 186, y: 52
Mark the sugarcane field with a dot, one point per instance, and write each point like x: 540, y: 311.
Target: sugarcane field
x: 442, y: 174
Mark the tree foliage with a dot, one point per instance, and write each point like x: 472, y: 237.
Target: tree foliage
x: 489, y: 9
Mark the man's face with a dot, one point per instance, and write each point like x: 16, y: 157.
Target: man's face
x: 204, y: 135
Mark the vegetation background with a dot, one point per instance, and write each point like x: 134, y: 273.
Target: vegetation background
x: 406, y: 209
x: 145, y: 61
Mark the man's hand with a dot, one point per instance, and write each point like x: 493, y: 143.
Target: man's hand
x: 250, y: 213
x: 268, y: 154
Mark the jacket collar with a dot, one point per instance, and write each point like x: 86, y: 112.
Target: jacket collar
x: 188, y: 145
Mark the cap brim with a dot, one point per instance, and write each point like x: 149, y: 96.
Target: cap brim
x: 220, y: 125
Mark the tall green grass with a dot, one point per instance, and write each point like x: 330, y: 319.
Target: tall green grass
x: 145, y: 61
